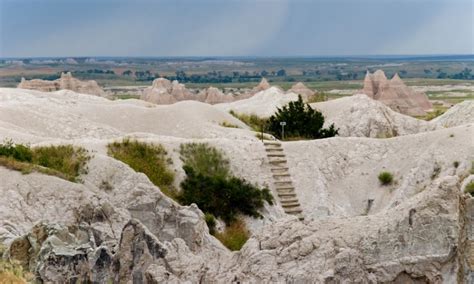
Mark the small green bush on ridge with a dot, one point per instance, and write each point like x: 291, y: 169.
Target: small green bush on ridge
x: 64, y: 161
x: 146, y: 158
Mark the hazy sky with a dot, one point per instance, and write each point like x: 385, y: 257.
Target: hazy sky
x: 32, y: 28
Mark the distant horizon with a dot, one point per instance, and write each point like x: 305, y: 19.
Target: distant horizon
x: 356, y: 56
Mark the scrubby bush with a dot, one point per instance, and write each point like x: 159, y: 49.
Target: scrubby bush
x: 234, y: 236
x: 204, y: 159
x: 223, y: 196
x: 385, y: 178
x: 18, y: 152
x: 150, y: 159
x: 255, y: 122
x: 12, y: 271
x: 211, y: 222
x: 470, y: 188
x: 302, y: 121
x: 228, y: 125
x: 210, y: 185
x: 64, y: 161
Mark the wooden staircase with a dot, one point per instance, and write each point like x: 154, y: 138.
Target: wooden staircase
x: 282, y: 179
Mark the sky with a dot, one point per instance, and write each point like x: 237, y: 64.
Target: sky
x: 168, y: 28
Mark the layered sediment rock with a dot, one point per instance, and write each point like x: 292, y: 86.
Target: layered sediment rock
x: 395, y: 94
x: 164, y: 92
x: 65, y: 82
x: 300, y: 89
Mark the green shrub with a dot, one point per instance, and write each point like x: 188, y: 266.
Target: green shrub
x: 224, y: 197
x: 301, y: 121
x: 146, y: 158
x: 64, y: 161
x: 211, y: 222
x: 385, y: 178
x: 456, y: 164
x: 472, y: 168
x: 253, y: 121
x: 234, y: 236
x: 213, y: 189
x: 470, y: 188
x: 18, y: 152
x: 204, y: 159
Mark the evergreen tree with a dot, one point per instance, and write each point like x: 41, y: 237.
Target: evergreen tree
x: 301, y: 121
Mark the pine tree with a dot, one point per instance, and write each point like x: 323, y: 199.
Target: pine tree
x: 302, y: 121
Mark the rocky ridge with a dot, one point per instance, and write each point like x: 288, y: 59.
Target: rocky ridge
x: 395, y: 94
x: 65, y: 82
x: 67, y: 231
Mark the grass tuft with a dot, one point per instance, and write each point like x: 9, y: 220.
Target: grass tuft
x: 150, y: 159
x: 253, y: 121
x: 64, y: 161
x: 470, y: 188
x: 385, y: 178
x: 228, y: 125
x: 12, y: 271
x: 234, y: 236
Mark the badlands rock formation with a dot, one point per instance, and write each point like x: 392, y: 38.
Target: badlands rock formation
x: 262, y: 86
x: 164, y: 92
x: 361, y: 116
x: 300, y: 89
x: 213, y: 95
x: 395, y: 94
x: 416, y: 230
x: 65, y: 82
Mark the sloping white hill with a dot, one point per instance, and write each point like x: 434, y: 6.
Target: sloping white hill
x: 361, y: 116
x: 263, y: 103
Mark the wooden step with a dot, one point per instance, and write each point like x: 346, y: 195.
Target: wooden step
x: 290, y: 205
x: 279, y: 169
x: 285, y: 188
x: 283, y: 182
x: 269, y: 143
x: 274, y: 149
x: 275, y: 155
x: 291, y: 199
x: 287, y: 194
x: 294, y: 210
x: 282, y: 175
x: 277, y: 161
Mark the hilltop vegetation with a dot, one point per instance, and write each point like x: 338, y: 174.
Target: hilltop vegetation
x: 64, y: 161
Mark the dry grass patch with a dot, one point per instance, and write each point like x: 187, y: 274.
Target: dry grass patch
x: 234, y: 236
x: 253, y: 121
x: 12, y: 272
x: 64, y: 161
x: 228, y: 125
x: 150, y: 159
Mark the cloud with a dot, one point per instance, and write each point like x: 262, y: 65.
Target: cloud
x: 240, y: 31
x: 449, y: 31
